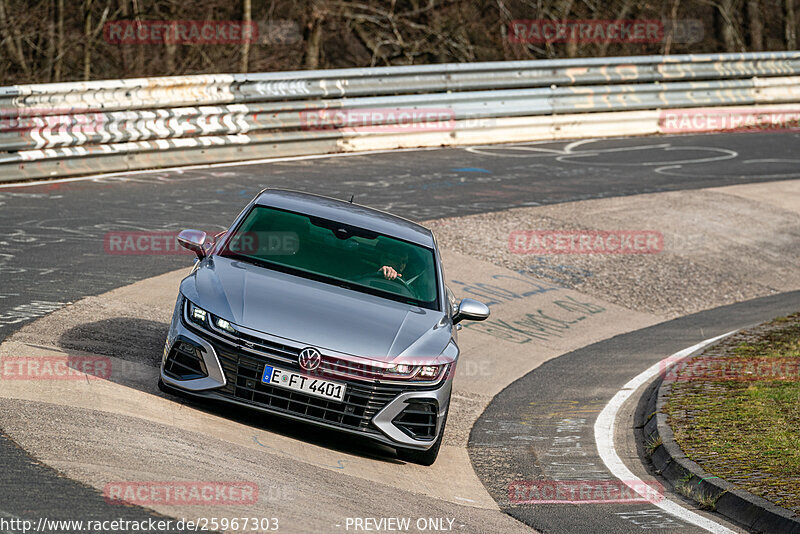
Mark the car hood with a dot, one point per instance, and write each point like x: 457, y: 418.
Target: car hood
x: 313, y: 313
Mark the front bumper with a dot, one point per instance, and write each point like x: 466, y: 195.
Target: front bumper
x: 396, y: 414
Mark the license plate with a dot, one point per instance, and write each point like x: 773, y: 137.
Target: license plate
x: 323, y: 389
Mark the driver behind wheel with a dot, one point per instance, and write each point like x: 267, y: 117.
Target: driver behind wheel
x: 408, y: 267
x: 393, y: 265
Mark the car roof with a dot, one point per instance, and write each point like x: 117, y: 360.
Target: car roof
x: 347, y: 213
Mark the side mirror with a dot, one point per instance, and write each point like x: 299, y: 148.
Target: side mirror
x: 471, y: 310
x: 194, y: 240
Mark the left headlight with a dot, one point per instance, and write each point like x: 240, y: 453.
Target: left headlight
x: 224, y: 325
x: 429, y: 372
x: 414, y: 372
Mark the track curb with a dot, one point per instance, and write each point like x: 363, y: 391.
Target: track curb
x: 689, y: 479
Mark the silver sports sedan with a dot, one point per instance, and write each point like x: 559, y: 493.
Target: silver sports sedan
x: 322, y: 311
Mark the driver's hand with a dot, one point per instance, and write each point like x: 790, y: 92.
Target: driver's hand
x: 389, y: 273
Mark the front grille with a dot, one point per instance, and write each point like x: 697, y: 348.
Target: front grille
x: 331, y: 366
x: 269, y: 347
x: 418, y: 420
x: 361, y: 402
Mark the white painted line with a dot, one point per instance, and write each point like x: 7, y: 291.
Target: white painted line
x: 214, y: 166
x: 604, y: 437
x: 575, y: 144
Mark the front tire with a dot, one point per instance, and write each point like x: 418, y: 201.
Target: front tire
x: 424, y: 457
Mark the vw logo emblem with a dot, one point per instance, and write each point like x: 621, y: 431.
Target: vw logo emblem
x: 309, y: 359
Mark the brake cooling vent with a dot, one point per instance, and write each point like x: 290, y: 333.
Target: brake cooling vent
x: 418, y: 420
x: 185, y: 361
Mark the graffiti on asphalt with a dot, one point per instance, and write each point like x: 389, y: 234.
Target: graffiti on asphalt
x: 539, y: 324
x: 496, y: 293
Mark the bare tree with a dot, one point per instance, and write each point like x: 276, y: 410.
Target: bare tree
x: 57, y: 40
x: 170, y: 39
x: 140, y: 50
x: 124, y: 50
x: 59, y: 60
x: 602, y: 48
x: 756, y: 26
x: 790, y: 30
x: 727, y: 28
x: 90, y: 34
x: 313, y: 36
x: 12, y: 39
x: 87, y: 39
x: 572, y: 44
x: 670, y: 35
x: 247, y: 18
x: 51, y: 39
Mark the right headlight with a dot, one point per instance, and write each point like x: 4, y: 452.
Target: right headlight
x: 415, y: 372
x: 198, y: 315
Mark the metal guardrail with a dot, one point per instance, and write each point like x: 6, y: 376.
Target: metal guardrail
x: 113, y: 125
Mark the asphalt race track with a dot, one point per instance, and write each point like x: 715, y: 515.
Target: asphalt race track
x: 53, y: 253
x: 52, y: 250
x: 553, y: 410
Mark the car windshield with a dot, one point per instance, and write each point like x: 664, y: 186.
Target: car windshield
x: 336, y: 253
